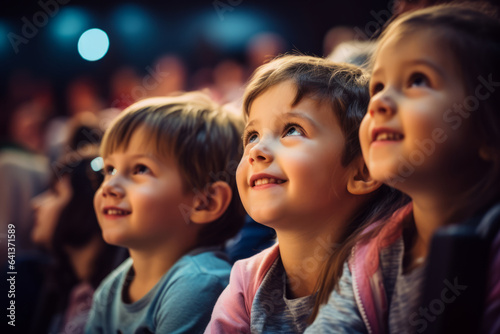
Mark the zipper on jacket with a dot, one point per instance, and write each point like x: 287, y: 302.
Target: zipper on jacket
x: 357, y: 296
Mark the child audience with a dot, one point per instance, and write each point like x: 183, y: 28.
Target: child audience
x: 302, y: 174
x: 354, y: 174
x: 169, y: 196
x: 431, y: 131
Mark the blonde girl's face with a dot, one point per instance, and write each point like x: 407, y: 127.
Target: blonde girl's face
x: 290, y: 174
x: 416, y: 133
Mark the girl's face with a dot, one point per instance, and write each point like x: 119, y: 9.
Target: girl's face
x: 48, y: 207
x: 290, y: 172
x: 141, y: 202
x: 416, y: 132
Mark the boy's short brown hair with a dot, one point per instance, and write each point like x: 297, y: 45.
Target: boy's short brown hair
x: 205, y: 141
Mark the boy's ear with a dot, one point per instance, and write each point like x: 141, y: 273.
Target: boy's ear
x: 211, y: 205
x: 360, y: 182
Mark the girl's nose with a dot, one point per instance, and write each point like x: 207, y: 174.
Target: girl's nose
x: 113, y: 187
x: 382, y: 105
x: 261, y: 152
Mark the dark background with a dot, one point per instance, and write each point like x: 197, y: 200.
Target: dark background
x: 141, y: 31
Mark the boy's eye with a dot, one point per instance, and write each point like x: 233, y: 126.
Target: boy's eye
x: 109, y: 170
x: 141, y: 169
x: 418, y: 80
x: 293, y: 130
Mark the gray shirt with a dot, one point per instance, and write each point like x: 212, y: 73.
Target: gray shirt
x: 341, y: 313
x: 273, y: 311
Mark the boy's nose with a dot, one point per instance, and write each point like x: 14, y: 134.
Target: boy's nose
x: 382, y: 105
x: 112, y: 188
x: 261, y: 152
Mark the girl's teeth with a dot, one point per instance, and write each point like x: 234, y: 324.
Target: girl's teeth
x: 389, y: 136
x: 266, y: 180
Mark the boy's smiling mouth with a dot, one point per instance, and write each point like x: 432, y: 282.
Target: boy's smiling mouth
x: 115, y: 212
x: 384, y: 134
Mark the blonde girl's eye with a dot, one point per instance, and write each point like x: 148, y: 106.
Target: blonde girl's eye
x: 419, y: 80
x: 140, y: 169
x: 293, y: 130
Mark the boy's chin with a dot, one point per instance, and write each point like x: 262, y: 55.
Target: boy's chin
x: 112, y: 239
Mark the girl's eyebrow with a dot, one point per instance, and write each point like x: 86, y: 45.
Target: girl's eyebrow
x: 303, y: 116
x: 427, y: 63
x: 250, y: 124
x: 288, y: 114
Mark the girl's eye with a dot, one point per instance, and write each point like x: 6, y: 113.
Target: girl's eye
x: 375, y: 88
x: 418, y: 80
x: 293, y: 130
x: 141, y: 169
x: 250, y: 137
x: 109, y: 170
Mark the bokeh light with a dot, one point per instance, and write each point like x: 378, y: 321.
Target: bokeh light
x: 236, y: 29
x: 69, y: 23
x: 93, y: 44
x: 132, y: 22
x: 4, y: 40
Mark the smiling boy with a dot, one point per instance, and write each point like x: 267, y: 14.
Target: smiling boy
x: 169, y: 196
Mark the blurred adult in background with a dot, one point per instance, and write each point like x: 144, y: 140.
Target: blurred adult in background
x: 24, y: 170
x: 66, y: 227
x: 262, y: 48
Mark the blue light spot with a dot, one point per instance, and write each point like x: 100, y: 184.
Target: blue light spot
x: 236, y: 29
x: 4, y: 41
x: 93, y: 44
x: 70, y: 23
x: 97, y: 164
x: 132, y: 21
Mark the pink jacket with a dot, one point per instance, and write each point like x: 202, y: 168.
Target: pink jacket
x: 368, y: 286
x: 231, y: 313
x: 367, y: 280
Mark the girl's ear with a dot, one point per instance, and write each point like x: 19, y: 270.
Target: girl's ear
x: 212, y: 204
x: 360, y: 182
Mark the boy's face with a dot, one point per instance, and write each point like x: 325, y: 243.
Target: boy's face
x: 140, y: 203
x: 290, y: 174
x: 416, y: 131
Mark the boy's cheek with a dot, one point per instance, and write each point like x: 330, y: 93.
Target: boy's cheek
x: 97, y: 202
